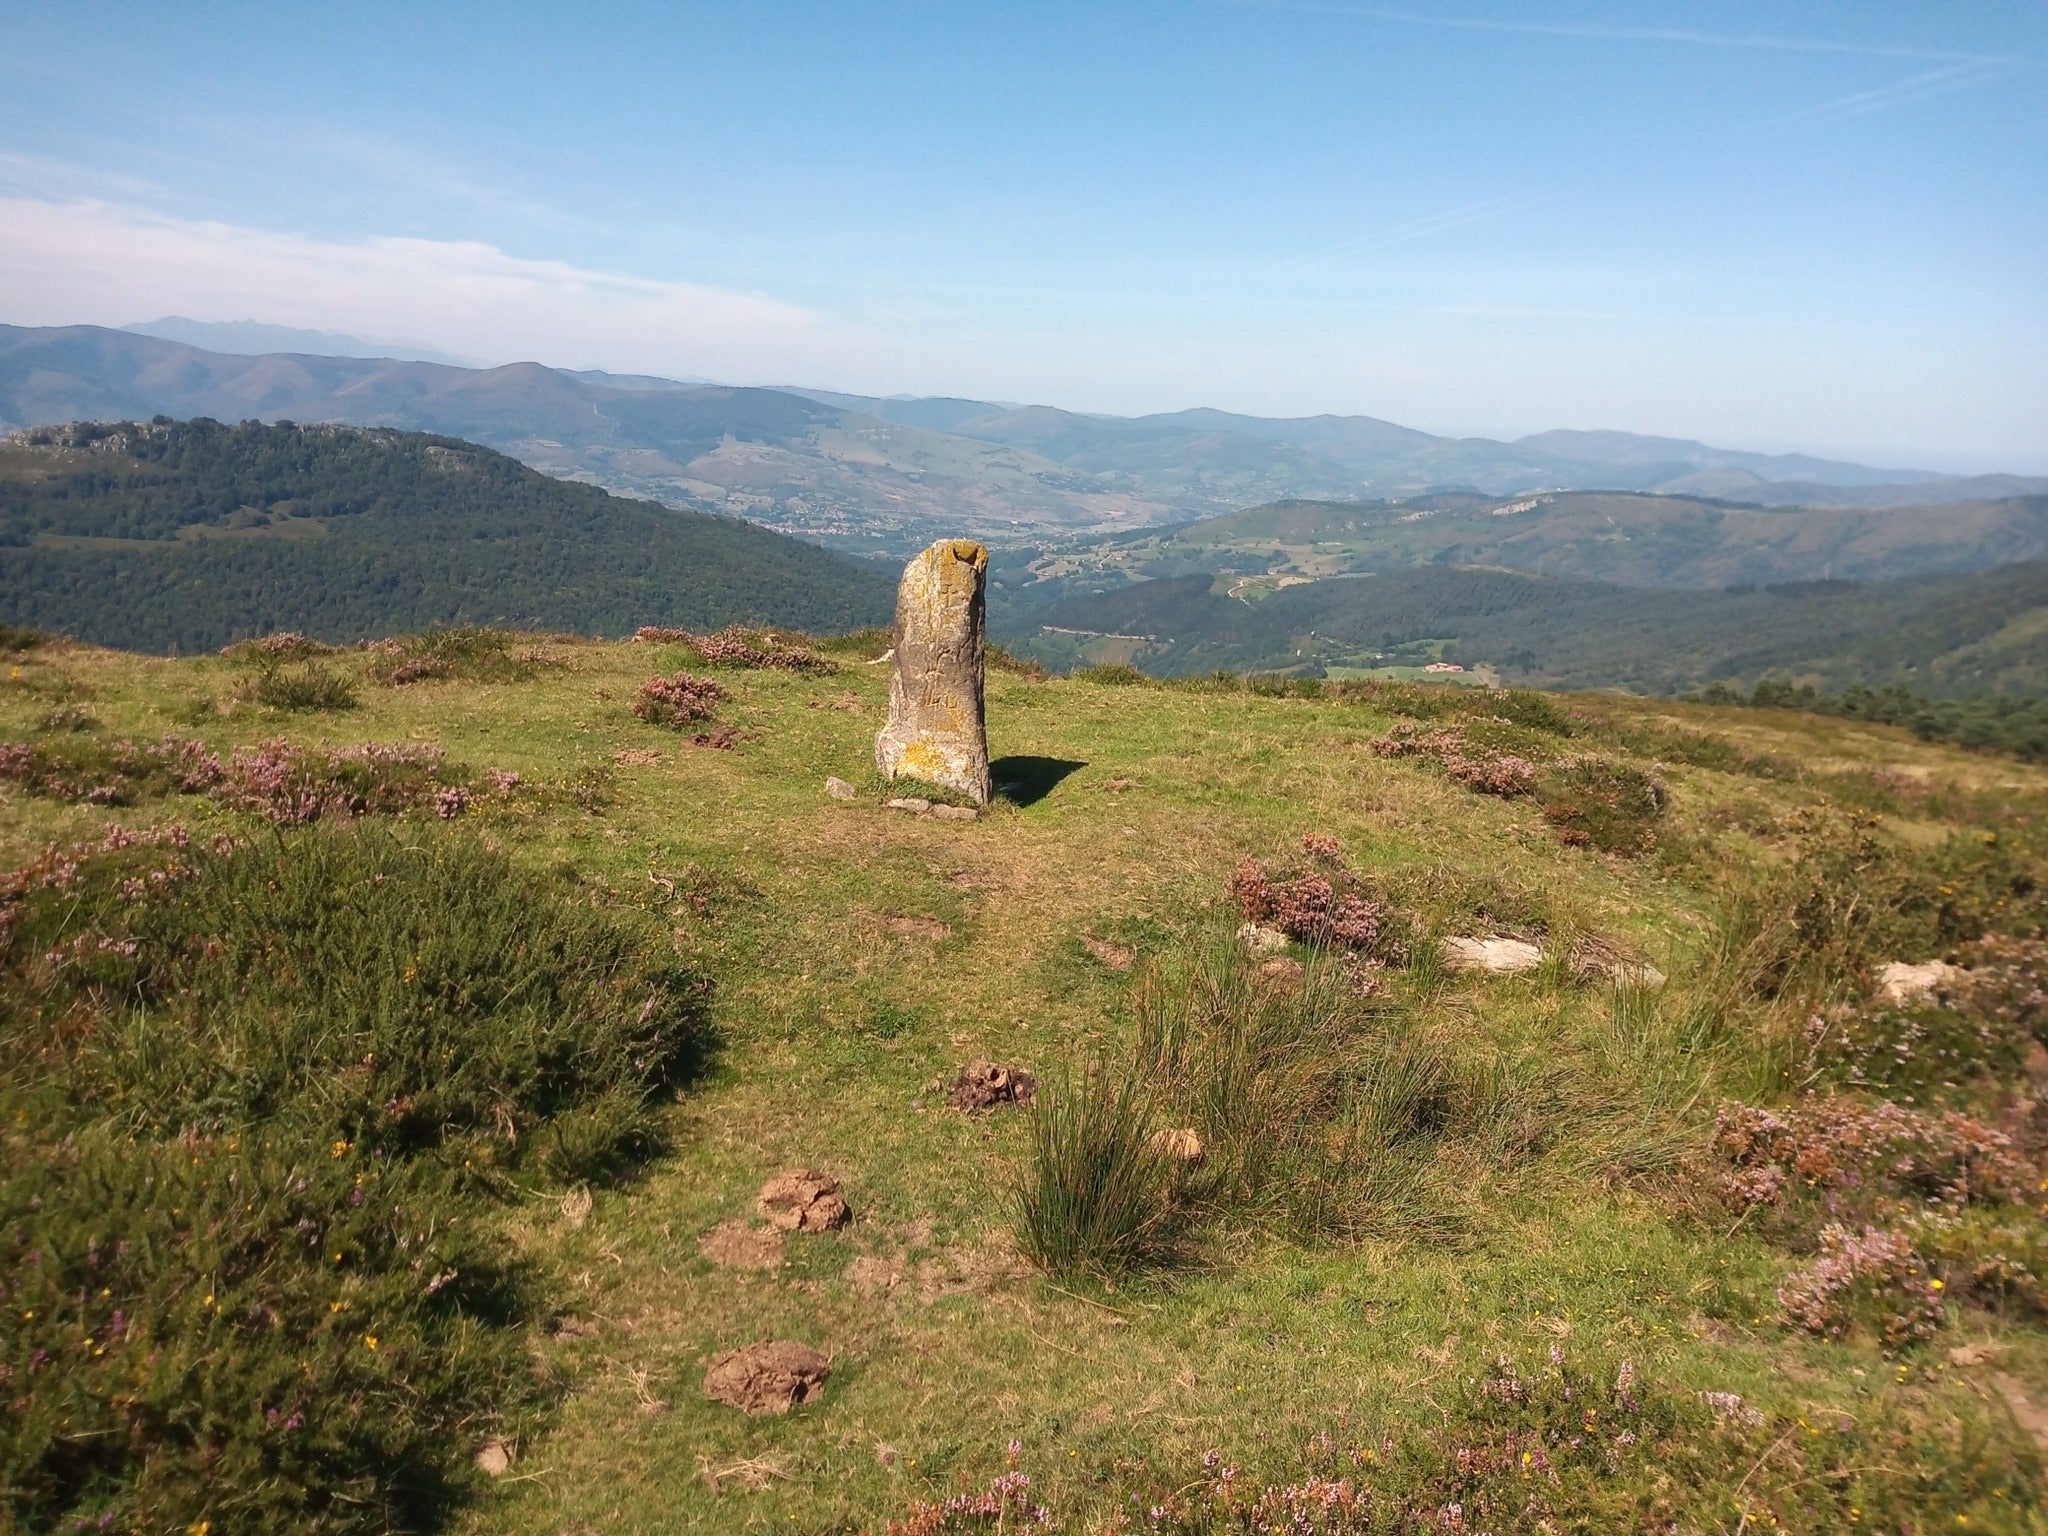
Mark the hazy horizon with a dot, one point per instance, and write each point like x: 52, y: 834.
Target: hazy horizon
x: 1792, y: 229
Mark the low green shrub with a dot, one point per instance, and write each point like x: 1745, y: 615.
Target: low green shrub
x: 1001, y: 659
x: 67, y: 717
x: 1596, y: 802
x: 1114, y: 674
x: 306, y: 687
x: 260, y: 1100
x: 469, y: 654
x: 270, y: 650
x: 19, y: 637
x: 1847, y: 897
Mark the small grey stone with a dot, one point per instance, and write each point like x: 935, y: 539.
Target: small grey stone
x: 1260, y: 940
x: 909, y: 803
x: 494, y: 1458
x: 838, y: 789
x: 954, y: 812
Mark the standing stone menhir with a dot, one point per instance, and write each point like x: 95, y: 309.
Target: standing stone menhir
x: 936, y: 730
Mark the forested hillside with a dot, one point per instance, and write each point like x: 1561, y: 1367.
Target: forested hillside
x: 181, y: 536
x: 1944, y: 636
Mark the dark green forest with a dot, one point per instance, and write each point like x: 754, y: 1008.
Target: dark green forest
x: 179, y: 536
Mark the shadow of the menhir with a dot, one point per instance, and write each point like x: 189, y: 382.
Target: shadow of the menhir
x: 1028, y: 780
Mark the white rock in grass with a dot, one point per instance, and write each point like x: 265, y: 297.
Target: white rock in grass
x: 1496, y: 956
x: 1898, y: 982
x: 1637, y: 973
x: 838, y: 789
x: 1261, y: 941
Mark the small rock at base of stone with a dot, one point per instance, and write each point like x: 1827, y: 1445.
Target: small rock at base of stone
x: 909, y: 803
x: 955, y: 812
x: 838, y: 788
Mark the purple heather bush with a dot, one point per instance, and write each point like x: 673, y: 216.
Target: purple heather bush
x: 678, y: 701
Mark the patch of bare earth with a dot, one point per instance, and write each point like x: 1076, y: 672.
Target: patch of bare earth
x: 739, y: 1245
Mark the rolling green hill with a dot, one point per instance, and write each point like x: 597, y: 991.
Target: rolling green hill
x: 1943, y: 636
x: 182, y: 536
x: 1634, y: 539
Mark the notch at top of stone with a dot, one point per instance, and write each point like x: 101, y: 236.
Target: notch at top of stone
x: 936, y: 731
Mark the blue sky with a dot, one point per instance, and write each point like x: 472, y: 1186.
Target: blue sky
x: 1821, y: 227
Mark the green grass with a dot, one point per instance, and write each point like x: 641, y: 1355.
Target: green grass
x: 862, y: 955
x: 264, y: 1101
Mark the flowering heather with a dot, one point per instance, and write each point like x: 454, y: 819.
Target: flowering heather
x: 1522, y: 1447
x: 110, y: 773
x: 1316, y: 906
x: 2006, y: 983
x: 736, y: 647
x: 1863, y: 1156
x: 677, y: 701
x: 292, y: 785
x: 287, y: 645
x: 1478, y: 769
x: 1004, y: 1505
x: 654, y: 634
x: 1873, y: 1276
x: 60, y: 869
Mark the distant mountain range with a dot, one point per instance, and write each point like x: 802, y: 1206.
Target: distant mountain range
x: 252, y: 338
x: 886, y: 475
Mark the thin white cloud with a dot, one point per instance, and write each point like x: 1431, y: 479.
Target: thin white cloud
x: 1422, y: 228
x: 1761, y: 41
x: 65, y: 263
x: 1899, y: 93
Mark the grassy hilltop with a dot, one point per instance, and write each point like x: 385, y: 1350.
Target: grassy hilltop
x: 377, y: 1123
